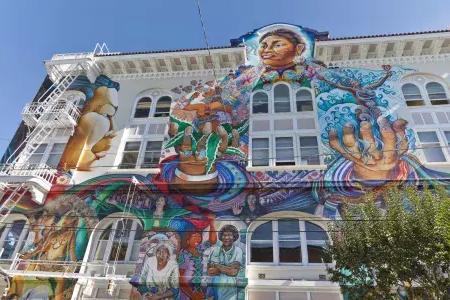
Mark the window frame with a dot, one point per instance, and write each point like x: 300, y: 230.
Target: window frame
x: 272, y: 149
x: 47, y: 152
x: 155, y: 96
x: 443, y: 90
x: 113, y: 221
x: 422, y: 98
x: 269, y: 106
x: 311, y: 92
x: 22, y: 238
x: 272, y: 98
x: 141, y: 152
x: 441, y: 139
x: 421, y: 80
x: 275, y: 242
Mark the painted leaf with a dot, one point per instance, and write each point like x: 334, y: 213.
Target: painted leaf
x: 235, y: 151
x: 175, y: 141
x: 212, y: 146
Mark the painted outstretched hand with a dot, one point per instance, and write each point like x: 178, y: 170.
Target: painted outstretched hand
x: 372, y: 163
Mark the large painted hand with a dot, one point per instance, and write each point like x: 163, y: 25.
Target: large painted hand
x: 102, y: 146
x: 373, y: 164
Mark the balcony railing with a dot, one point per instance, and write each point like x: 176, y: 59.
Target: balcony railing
x: 41, y: 171
x: 60, y: 114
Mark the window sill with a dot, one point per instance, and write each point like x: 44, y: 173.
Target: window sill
x: 287, y: 266
x: 287, y: 168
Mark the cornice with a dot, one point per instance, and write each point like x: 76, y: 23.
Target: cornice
x: 390, y: 60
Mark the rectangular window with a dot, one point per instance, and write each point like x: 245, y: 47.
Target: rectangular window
x: 152, y: 154
x: 36, y: 157
x: 260, y: 152
x: 55, y: 154
x: 431, y: 147
x: 130, y: 155
x: 284, y: 149
x: 309, y: 150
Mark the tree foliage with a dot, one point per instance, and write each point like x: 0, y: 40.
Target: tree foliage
x: 400, y: 242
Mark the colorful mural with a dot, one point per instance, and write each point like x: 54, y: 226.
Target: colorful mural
x: 95, y: 129
x: 195, y: 213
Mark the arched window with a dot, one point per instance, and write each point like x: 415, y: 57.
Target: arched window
x: 12, y: 238
x: 260, y: 103
x: 304, y: 100
x: 281, y: 98
x: 119, y: 240
x: 436, y: 93
x: 143, y: 108
x: 412, y: 95
x: 163, y: 106
x: 288, y: 241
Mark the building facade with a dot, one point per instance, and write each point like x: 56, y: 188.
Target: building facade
x: 215, y: 173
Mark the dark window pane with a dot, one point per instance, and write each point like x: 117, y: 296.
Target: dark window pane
x: 288, y: 230
x: 304, y: 101
x: 261, y: 251
x: 263, y: 232
x: 130, y: 155
x: 163, y: 107
x: 314, y: 232
x: 12, y: 238
x: 152, y: 154
x: 143, y: 108
x: 129, y: 160
x: 132, y: 146
x: 316, y: 254
x: 260, y: 103
x: 290, y: 251
x: 281, y: 98
x: 260, y: 152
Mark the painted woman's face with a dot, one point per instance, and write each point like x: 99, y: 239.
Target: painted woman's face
x: 160, y: 202
x: 251, y: 201
x: 277, y: 51
x: 162, y: 255
x: 195, y: 239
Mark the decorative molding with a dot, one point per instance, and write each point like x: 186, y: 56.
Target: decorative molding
x: 174, y: 74
x: 390, y: 60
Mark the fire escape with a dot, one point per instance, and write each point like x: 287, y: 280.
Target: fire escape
x: 42, y: 117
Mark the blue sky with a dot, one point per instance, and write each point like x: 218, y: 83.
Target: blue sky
x: 31, y: 30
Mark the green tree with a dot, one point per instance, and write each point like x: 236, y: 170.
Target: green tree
x: 399, y: 240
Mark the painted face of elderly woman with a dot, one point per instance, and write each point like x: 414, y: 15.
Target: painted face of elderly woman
x: 279, y: 48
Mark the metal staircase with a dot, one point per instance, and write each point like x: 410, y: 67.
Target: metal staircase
x: 15, y: 194
x: 42, y: 116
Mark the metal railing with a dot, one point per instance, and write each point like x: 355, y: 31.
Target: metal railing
x: 62, y: 113
x: 41, y: 171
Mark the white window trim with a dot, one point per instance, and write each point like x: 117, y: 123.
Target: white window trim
x: 442, y: 142
x: 276, y: 257
x: 50, y: 143
x: 297, y: 151
x: 423, y: 97
x: 313, y: 97
x: 423, y: 91
x: 140, y: 158
x: 155, y: 99
x: 114, y: 221
x: 272, y: 98
x: 9, y: 222
x: 269, y: 106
